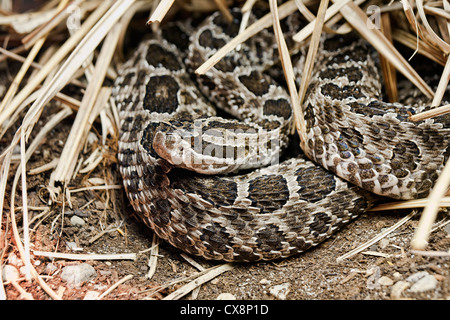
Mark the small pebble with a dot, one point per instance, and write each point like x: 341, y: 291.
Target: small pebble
x: 447, y: 228
x: 76, y: 221
x: 372, y: 280
x: 225, y: 296
x: 50, y: 268
x: 385, y: 281
x: 14, y: 260
x: 280, y: 291
x: 384, y: 243
x: 78, y: 273
x: 91, y: 295
x: 397, y: 275
x: 417, y: 276
x: 10, y: 273
x: 398, y: 288
x: 426, y: 283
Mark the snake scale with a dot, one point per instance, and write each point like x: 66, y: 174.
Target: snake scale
x: 192, y: 176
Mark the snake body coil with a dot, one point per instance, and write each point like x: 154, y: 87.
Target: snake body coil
x: 167, y: 127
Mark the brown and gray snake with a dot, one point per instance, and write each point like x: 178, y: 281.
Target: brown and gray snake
x: 193, y: 176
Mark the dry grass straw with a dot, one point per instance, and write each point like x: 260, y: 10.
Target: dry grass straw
x: 388, y: 70
x: 288, y: 72
x: 205, y: 276
x: 161, y: 11
x: 428, y: 35
x: 86, y: 257
x: 312, y: 51
x: 377, y: 238
x: 263, y: 23
x: 97, y: 25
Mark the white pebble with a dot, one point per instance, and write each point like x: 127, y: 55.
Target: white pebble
x: 78, y: 273
x: 280, y: 291
x: 385, y: 281
x: 417, y: 276
x: 10, y: 273
x: 398, y: 288
x: 14, y: 260
x: 91, y: 295
x: 76, y: 221
x: 426, y: 283
x: 50, y: 268
x: 226, y: 296
x: 397, y: 275
x: 384, y: 243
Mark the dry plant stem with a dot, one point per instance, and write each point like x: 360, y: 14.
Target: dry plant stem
x: 75, y: 140
x: 26, y: 258
x: 65, y: 49
x: 413, y: 23
x: 331, y: 11
x: 376, y: 238
x: 224, y: 9
x: 161, y: 10
x: 78, y: 256
x: 23, y: 70
x: 191, y: 277
x: 388, y: 70
x: 26, y: 65
x: 443, y: 83
x: 2, y: 288
x: 289, y: 74
x: 23, y: 294
x: 431, y: 113
x: 304, y: 10
x: 12, y: 55
x: 22, y: 173
x: 444, y: 46
x: 212, y: 273
x: 191, y: 261
x: 420, y: 239
x: 265, y: 22
x: 437, y: 12
x: 409, y: 204
x: 107, y: 187
x: 26, y: 235
x: 358, y: 19
x: 118, y: 283
x: 248, y: 5
x: 15, y: 51
x: 153, y: 260
x: 420, y: 46
x: 20, y: 248
x: 431, y: 253
x: 311, y: 17
x: 312, y: 51
x: 43, y: 30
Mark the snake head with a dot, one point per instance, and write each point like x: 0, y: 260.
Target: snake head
x: 183, y: 148
x: 173, y: 145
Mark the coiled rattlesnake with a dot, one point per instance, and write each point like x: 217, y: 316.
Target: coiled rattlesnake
x: 283, y: 208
